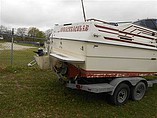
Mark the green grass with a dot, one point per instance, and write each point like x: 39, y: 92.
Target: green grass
x: 2, y: 41
x: 20, y: 58
x: 34, y: 93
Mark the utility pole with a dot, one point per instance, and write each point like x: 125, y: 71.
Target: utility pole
x: 84, y: 15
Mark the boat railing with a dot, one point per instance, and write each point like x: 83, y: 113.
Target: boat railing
x: 92, y: 19
x: 104, y: 22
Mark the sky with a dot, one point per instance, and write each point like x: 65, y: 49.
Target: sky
x: 44, y: 14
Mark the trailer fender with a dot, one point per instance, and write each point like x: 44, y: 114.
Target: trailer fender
x: 131, y: 81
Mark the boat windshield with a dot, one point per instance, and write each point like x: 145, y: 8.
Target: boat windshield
x: 148, y: 23
x: 155, y: 21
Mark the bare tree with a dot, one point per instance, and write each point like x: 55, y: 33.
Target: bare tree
x: 5, y: 32
x: 22, y: 31
x: 3, y: 29
x: 48, y: 33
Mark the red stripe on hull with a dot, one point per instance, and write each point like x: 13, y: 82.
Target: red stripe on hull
x: 99, y: 26
x: 108, y: 74
x: 108, y: 38
x: 74, y: 72
x: 136, y: 35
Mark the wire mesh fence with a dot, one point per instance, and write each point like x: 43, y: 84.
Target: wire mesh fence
x: 16, y: 54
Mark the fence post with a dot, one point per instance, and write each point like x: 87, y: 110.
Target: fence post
x: 12, y: 48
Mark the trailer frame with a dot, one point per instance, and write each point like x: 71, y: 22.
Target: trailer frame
x: 117, y: 88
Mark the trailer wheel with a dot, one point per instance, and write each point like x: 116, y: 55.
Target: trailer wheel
x: 138, y: 91
x: 121, y: 94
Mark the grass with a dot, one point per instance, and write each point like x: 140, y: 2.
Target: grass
x: 34, y: 93
x: 20, y: 58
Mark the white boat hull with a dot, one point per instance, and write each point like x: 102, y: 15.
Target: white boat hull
x: 103, y: 60
x: 99, y: 52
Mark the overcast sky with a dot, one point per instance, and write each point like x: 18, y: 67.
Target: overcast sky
x: 44, y: 14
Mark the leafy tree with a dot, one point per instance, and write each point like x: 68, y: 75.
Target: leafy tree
x: 41, y: 34
x: 35, y: 32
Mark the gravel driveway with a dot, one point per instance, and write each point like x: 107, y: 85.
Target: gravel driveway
x: 7, y: 46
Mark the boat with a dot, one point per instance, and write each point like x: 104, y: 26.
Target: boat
x: 100, y: 49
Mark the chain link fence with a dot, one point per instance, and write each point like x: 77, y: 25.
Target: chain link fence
x: 13, y: 53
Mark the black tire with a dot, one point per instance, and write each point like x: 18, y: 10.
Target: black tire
x: 120, y: 95
x: 138, y: 92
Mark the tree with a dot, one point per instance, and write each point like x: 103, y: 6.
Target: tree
x: 40, y: 34
x: 5, y: 32
x: 48, y: 33
x: 4, y: 29
x: 35, y: 32
x: 22, y: 31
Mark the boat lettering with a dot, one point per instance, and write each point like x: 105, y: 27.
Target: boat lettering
x: 79, y: 28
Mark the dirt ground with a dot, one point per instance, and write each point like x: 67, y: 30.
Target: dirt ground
x: 7, y: 46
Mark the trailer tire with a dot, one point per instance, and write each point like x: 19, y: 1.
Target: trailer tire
x: 120, y: 95
x: 138, y: 92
